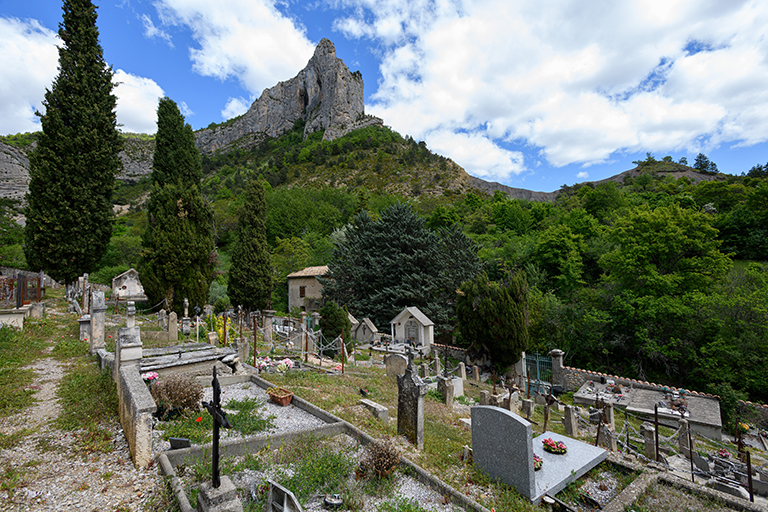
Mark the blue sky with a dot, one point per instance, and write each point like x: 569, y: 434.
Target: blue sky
x: 527, y: 93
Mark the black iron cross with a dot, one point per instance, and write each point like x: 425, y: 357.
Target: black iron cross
x: 219, y: 419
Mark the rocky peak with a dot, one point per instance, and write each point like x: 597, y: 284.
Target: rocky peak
x: 325, y: 94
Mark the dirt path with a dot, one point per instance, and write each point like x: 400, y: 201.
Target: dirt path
x: 45, y: 471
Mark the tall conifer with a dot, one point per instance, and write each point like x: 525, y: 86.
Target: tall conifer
x: 250, y: 276
x: 72, y: 171
x: 178, y: 255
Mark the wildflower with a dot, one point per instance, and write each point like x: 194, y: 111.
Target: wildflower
x: 199, y: 419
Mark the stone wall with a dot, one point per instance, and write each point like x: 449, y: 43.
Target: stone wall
x: 136, y: 411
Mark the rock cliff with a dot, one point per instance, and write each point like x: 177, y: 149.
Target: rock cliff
x: 14, y: 172
x: 325, y: 95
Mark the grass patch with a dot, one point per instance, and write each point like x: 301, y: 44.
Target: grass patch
x: 319, y: 472
x: 10, y: 479
x: 70, y: 347
x: 401, y: 504
x: 17, y: 349
x: 661, y: 497
x: 11, y: 440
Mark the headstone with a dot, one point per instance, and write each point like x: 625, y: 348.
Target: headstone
x: 733, y: 490
x: 130, y: 314
x: 527, y: 408
x: 98, y: 311
x: 682, y: 440
x: 410, y: 406
x: 485, y: 397
x: 436, y: 366
x: 128, y: 349
x: 458, y: 387
x: 700, y: 463
x: 649, y: 436
x: 424, y: 370
x: 445, y: 387
x: 396, y: 365
x: 173, y: 327
x: 496, y: 400
x: 213, y: 338
x: 502, y: 447
x: 571, y: 421
x: 242, y: 347
x: 162, y: 320
x: 186, y: 326
x: 186, y: 307
x: 606, y: 436
x: 609, y: 417
x: 462, y: 370
x: 512, y: 403
x: 476, y: 373
x: 379, y: 411
x: 268, y: 316
x: 85, y: 327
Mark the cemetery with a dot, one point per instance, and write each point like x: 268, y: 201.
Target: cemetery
x: 461, y: 437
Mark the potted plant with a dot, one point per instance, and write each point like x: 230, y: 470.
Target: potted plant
x: 280, y: 396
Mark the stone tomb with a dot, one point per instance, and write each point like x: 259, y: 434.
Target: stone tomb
x: 503, y: 447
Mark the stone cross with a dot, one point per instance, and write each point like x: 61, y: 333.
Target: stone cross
x: 130, y: 314
x: 219, y: 420
x: 186, y: 307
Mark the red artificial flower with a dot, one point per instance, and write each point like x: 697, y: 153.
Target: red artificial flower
x: 199, y: 419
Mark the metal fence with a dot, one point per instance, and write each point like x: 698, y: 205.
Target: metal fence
x: 538, y: 368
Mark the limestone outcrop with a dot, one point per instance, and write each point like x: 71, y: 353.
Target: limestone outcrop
x: 14, y: 172
x: 325, y: 94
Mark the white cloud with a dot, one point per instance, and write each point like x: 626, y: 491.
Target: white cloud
x: 28, y: 59
x: 185, y: 110
x: 583, y: 175
x: 580, y: 81
x: 235, y: 107
x: 477, y: 153
x: 137, y: 99
x: 151, y: 31
x: 249, y: 40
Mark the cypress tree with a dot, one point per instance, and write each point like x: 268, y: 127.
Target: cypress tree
x: 178, y: 256
x: 250, y: 276
x: 72, y: 171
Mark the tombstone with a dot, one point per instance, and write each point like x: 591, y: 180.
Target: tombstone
x: 173, y: 327
x: 424, y: 370
x: 496, y: 400
x: 649, y: 436
x: 128, y: 349
x: 410, y: 405
x: 445, y: 387
x: 162, y: 320
x: 396, y: 365
x: 606, y: 436
x: 185, y: 320
x: 462, y: 370
x: 609, y: 417
x: 571, y: 421
x: 436, y: 366
x: 512, y: 402
x: 682, y: 439
x: 528, y: 408
x: 485, y: 397
x: 268, y: 316
x: 476, y: 373
x: 700, y: 463
x: 85, y: 327
x: 98, y: 310
x: 213, y: 338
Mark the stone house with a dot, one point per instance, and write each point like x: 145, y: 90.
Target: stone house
x: 304, y: 290
x: 411, y: 325
x: 127, y: 286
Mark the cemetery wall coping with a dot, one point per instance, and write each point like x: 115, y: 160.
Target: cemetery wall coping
x: 590, y: 375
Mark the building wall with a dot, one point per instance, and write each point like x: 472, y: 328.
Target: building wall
x: 313, y: 290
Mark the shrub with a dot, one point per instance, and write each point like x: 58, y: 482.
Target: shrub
x: 177, y: 392
x: 381, y: 458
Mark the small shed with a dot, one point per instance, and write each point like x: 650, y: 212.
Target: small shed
x: 366, y: 332
x: 304, y: 290
x: 411, y: 325
x: 127, y: 286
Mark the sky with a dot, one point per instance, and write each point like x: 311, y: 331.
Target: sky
x: 530, y: 94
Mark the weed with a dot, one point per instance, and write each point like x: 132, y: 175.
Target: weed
x: 70, y: 347
x: 248, y: 419
x: 107, y: 475
x: 465, y: 400
x: 434, y: 394
x: 401, y: 504
x: 11, y: 440
x: 11, y: 478
x: 177, y: 392
x: 380, y: 459
x: 44, y: 444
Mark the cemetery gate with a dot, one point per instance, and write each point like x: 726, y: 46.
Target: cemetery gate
x: 538, y: 368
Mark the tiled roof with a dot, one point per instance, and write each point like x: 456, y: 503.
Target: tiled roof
x: 310, y: 272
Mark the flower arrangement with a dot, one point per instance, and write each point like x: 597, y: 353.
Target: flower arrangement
x: 743, y: 428
x: 150, y: 376
x: 537, y: 462
x: 281, y: 366
x: 554, y: 446
x: 722, y: 452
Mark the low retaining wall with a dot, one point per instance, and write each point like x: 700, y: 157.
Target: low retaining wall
x: 136, y: 413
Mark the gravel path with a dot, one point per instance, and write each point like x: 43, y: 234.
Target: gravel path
x: 52, y: 475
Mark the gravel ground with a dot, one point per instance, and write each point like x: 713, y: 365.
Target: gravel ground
x: 52, y: 475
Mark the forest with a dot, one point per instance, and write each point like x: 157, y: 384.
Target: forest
x: 658, y: 276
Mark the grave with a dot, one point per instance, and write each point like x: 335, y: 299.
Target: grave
x: 503, y: 447
x: 173, y: 327
x: 410, y: 405
x: 396, y: 365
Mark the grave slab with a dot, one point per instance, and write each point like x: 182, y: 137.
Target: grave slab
x: 503, y: 447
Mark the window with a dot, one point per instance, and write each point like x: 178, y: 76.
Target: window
x: 302, y: 291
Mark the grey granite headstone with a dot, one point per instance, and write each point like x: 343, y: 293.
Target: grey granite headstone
x: 396, y: 365
x: 173, y: 327
x: 410, y: 406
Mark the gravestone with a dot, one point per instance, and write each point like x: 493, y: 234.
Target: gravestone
x: 213, y: 338
x: 571, y: 421
x: 606, y: 436
x: 503, y: 447
x: 85, y: 327
x: 410, y: 406
x: 128, y: 349
x: 462, y: 370
x: 173, y: 327
x: 485, y: 397
x: 512, y: 403
x: 98, y: 310
x: 162, y: 320
x: 476, y: 373
x: 527, y: 408
x: 268, y: 316
x: 424, y: 370
x: 609, y: 418
x: 649, y: 436
x: 682, y: 440
x: 445, y: 387
x: 436, y: 366
x: 396, y: 365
